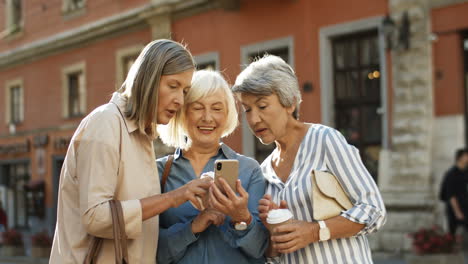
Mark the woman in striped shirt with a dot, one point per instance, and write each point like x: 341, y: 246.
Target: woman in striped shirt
x: 269, y: 92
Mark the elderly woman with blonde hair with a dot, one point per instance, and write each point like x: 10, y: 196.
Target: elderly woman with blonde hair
x: 229, y: 229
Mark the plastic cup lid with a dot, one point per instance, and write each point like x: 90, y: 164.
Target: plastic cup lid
x: 277, y: 216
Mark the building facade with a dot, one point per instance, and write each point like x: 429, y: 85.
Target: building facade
x: 390, y: 75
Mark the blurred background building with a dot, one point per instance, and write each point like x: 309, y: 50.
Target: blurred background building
x: 391, y: 75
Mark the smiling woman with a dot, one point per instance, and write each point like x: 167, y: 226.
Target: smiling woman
x: 229, y: 230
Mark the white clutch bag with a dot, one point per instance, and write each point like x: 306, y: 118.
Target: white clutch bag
x: 328, y: 197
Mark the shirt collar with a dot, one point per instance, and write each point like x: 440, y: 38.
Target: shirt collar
x: 223, y: 149
x: 121, y: 102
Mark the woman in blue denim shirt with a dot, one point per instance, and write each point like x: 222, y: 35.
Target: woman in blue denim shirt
x: 229, y: 230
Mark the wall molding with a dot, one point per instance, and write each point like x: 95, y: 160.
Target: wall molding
x: 133, y: 19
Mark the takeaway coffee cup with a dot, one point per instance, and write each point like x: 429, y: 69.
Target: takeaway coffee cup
x: 278, y: 217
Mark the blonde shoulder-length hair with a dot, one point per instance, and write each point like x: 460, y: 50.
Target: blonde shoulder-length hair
x: 141, y: 87
x: 204, y: 83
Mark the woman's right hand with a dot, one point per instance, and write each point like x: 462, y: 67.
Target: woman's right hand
x: 266, y: 204
x: 190, y: 191
x: 206, y: 218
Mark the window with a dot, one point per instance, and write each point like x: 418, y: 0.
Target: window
x: 74, y: 91
x: 74, y: 94
x: 16, y: 175
x: 207, y: 61
x: 124, y: 60
x: 356, y: 71
x: 282, y: 48
x: 70, y: 6
x: 14, y: 16
x: 14, y: 106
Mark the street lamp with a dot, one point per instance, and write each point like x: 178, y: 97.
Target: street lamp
x: 400, y: 33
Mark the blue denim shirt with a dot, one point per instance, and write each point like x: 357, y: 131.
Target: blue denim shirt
x: 223, y: 244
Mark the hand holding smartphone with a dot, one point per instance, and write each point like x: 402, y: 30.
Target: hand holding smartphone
x: 227, y: 169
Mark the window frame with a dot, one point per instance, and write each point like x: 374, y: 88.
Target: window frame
x: 120, y: 56
x: 13, y: 27
x: 207, y: 58
x: 71, y: 10
x: 8, y: 97
x: 66, y: 72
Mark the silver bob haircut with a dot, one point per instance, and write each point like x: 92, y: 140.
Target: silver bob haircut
x: 270, y: 75
x: 204, y: 83
x: 141, y: 87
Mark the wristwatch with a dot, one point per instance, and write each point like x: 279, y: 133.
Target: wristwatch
x: 240, y: 226
x: 324, y: 232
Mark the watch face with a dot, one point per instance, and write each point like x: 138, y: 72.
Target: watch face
x: 240, y: 226
x: 324, y: 234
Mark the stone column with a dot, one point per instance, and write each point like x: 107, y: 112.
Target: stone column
x: 406, y: 168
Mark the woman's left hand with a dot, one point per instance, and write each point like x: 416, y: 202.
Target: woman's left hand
x: 294, y: 236
x: 229, y: 203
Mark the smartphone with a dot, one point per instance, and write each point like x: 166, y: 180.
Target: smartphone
x: 228, y: 169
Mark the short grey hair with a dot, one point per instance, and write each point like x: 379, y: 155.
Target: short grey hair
x: 141, y: 87
x: 204, y: 83
x: 270, y: 75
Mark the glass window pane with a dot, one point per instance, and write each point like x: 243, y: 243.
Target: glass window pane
x: 348, y: 123
x: 351, y: 54
x: 340, y: 85
x: 280, y: 52
x: 352, y: 83
x: 372, y: 124
x: 365, y: 51
x: 127, y: 64
x: 339, y: 56
x: 207, y: 66
x: 73, y: 94
x: 374, y: 51
x: 17, y: 11
x: 14, y: 104
x: 370, y: 82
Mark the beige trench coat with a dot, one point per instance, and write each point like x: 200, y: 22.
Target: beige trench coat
x: 108, y: 158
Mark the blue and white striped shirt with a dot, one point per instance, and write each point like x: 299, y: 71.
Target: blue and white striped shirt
x: 324, y: 148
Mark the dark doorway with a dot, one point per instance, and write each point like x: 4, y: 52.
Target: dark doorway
x: 357, y: 100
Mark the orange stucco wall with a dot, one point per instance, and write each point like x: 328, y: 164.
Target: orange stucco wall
x: 43, y: 84
x: 448, y: 59
x: 264, y: 20
x: 42, y: 19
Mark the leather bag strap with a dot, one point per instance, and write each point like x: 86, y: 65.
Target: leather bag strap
x: 167, y: 169
x: 93, y: 251
x: 120, y: 238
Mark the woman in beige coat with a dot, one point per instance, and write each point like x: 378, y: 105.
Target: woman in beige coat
x: 111, y: 156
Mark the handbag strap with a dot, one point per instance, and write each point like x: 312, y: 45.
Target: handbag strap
x: 120, y: 238
x: 167, y: 169
x: 93, y: 251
